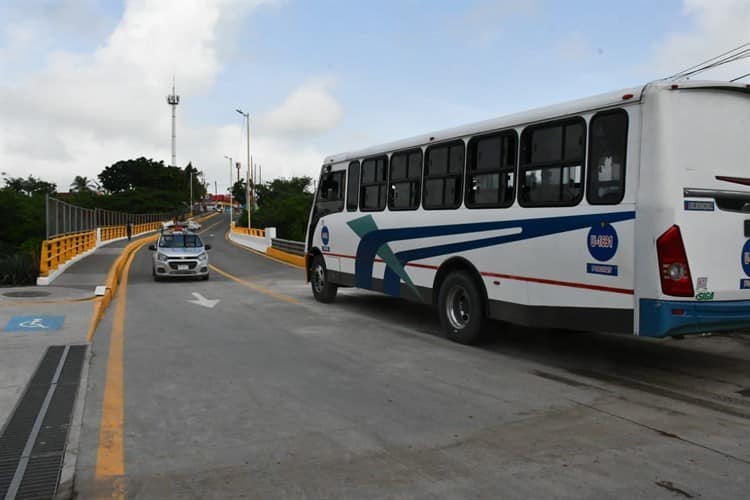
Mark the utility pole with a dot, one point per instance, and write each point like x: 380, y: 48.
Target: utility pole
x: 230, y: 189
x: 173, y: 100
x: 191, y: 192
x: 248, y: 202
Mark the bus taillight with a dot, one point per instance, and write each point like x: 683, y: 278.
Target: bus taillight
x: 673, y: 265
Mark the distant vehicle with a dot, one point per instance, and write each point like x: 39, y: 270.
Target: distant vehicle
x: 180, y: 225
x: 625, y: 212
x: 179, y: 253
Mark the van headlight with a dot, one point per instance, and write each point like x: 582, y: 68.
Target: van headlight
x: 161, y: 257
x: 203, y: 256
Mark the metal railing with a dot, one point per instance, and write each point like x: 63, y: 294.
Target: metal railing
x: 289, y: 246
x: 64, y: 218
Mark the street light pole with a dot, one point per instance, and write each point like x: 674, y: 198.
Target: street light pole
x: 248, y: 192
x: 191, y: 192
x: 230, y: 189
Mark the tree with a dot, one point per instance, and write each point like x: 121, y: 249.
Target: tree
x: 144, y: 185
x: 83, y: 184
x: 239, y: 191
x: 284, y: 204
x: 29, y: 186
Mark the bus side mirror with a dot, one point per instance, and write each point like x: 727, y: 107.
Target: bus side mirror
x: 152, y: 248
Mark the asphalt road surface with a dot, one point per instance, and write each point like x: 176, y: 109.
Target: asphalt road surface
x: 269, y: 394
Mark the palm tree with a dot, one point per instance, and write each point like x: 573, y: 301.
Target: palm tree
x: 82, y: 184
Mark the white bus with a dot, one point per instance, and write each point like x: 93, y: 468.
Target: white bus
x: 626, y: 212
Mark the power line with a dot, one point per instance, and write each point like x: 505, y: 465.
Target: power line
x: 739, y: 52
x: 739, y: 77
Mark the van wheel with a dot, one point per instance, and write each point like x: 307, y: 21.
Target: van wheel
x: 153, y: 273
x: 460, y: 307
x: 323, y: 290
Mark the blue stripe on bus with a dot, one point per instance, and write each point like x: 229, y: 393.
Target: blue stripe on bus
x: 372, y: 241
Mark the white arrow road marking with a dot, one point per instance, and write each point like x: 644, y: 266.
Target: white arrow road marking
x: 203, y: 301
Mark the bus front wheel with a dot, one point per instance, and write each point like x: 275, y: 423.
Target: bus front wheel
x: 460, y: 307
x: 323, y: 290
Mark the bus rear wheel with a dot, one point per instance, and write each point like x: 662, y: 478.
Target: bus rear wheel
x: 460, y: 307
x: 323, y: 290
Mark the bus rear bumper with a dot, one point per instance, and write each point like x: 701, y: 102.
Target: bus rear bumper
x: 662, y: 318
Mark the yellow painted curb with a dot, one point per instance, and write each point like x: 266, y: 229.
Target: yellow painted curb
x: 113, y: 278
x: 297, y: 260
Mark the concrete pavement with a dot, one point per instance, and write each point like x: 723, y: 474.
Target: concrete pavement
x: 34, y: 318
x: 269, y: 394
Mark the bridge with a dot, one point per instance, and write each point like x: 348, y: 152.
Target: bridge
x: 243, y: 385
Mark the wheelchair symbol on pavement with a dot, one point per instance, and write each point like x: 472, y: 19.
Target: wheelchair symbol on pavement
x: 41, y: 323
x: 34, y: 323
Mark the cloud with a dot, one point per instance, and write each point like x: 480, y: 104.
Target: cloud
x: 83, y: 110
x: 719, y: 25
x: 484, y: 20
x: 308, y: 109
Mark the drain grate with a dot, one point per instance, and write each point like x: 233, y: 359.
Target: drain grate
x: 32, y: 444
x: 26, y: 295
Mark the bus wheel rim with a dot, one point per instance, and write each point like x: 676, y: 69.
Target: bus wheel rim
x: 457, y: 308
x: 319, y: 278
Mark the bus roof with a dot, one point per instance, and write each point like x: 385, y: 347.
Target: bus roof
x: 619, y: 97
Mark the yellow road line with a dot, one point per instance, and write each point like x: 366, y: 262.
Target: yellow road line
x: 250, y: 250
x: 110, y: 457
x: 257, y: 288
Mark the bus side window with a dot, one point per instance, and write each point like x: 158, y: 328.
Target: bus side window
x: 552, y: 159
x: 352, y: 189
x: 607, y: 150
x: 406, y: 180
x: 331, y: 192
x: 491, y: 170
x: 374, y: 185
x: 443, y: 176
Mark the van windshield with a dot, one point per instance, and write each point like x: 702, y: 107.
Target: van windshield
x: 180, y: 241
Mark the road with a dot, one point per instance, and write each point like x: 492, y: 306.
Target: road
x: 269, y: 394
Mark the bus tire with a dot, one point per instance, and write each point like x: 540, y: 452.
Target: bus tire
x: 323, y: 290
x: 461, y: 308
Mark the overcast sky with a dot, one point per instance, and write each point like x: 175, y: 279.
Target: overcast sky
x: 83, y: 83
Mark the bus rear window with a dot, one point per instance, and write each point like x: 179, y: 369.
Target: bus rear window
x: 608, y: 140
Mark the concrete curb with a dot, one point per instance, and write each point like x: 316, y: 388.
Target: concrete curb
x: 295, y: 260
x: 241, y: 240
x: 113, y: 279
x: 65, y: 487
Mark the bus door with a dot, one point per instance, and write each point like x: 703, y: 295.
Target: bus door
x: 329, y: 202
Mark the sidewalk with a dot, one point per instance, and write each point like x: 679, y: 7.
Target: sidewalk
x: 34, y: 318
x: 70, y: 297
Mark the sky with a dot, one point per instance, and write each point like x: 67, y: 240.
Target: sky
x: 83, y: 83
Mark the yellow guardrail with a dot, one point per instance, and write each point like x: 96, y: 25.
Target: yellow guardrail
x: 114, y: 232
x: 259, y: 233
x: 296, y: 260
x: 57, y: 251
